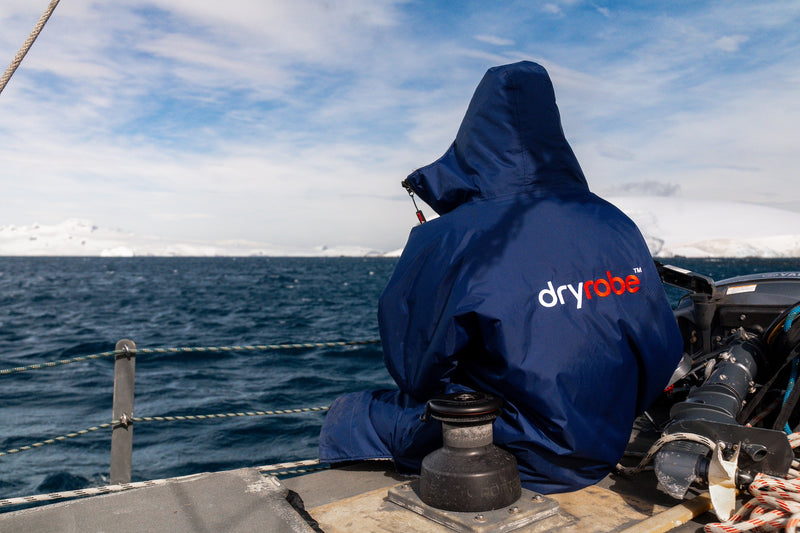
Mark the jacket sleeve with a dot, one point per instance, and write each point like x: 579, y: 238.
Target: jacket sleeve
x: 420, y: 333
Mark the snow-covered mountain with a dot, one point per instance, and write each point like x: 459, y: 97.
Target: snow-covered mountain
x: 81, y: 238
x: 672, y: 227
x: 676, y: 226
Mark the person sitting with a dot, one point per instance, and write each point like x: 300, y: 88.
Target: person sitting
x: 528, y: 287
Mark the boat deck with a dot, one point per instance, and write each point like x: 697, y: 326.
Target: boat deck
x: 236, y: 501
x: 351, y: 498
x: 354, y: 497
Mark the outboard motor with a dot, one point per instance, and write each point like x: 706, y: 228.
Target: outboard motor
x: 742, y: 355
x: 711, y: 410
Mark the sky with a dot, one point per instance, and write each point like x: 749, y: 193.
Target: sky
x: 293, y: 122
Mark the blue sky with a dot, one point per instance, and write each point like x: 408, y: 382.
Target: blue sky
x: 293, y: 122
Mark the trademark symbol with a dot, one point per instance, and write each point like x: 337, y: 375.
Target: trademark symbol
x: 638, y: 270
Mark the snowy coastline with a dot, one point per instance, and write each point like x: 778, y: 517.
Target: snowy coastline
x: 77, y: 237
x: 672, y: 227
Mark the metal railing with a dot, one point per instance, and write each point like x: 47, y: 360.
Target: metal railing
x: 123, y: 401
x: 122, y: 431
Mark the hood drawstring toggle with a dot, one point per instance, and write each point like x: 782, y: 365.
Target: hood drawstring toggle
x: 408, y: 188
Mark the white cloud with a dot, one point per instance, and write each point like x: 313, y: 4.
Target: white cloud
x: 730, y: 43
x: 644, y: 188
x: 297, y: 120
x: 494, y: 40
x: 612, y: 151
x: 552, y: 9
x: 603, y: 10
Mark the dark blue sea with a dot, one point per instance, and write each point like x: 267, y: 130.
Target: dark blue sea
x: 59, y: 308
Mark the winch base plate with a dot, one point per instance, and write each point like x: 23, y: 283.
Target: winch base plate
x: 531, y: 507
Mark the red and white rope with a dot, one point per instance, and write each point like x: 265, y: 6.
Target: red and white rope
x: 775, y: 505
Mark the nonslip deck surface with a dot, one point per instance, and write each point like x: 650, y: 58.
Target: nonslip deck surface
x: 236, y: 501
x: 614, y: 505
x: 341, y: 500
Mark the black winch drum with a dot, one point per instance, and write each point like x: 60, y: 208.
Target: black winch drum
x: 469, y: 473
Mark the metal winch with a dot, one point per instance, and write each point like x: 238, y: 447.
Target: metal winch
x: 469, y: 484
x: 469, y: 473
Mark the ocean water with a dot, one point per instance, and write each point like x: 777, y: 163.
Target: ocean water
x: 59, y: 308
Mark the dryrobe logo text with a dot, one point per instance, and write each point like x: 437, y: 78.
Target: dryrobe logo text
x: 598, y: 288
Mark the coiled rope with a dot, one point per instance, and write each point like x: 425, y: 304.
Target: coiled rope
x: 196, y: 349
x: 279, y: 469
x: 660, y: 443
x: 171, y: 418
x: 37, y: 29
x: 775, y: 505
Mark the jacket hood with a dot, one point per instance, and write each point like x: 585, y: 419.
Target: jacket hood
x: 510, y: 141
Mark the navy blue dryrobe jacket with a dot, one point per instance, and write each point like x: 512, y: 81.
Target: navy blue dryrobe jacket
x: 528, y: 287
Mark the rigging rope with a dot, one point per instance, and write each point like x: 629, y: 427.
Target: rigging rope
x: 660, y: 443
x: 196, y: 349
x: 172, y: 418
x: 27, y: 45
x: 93, y: 491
